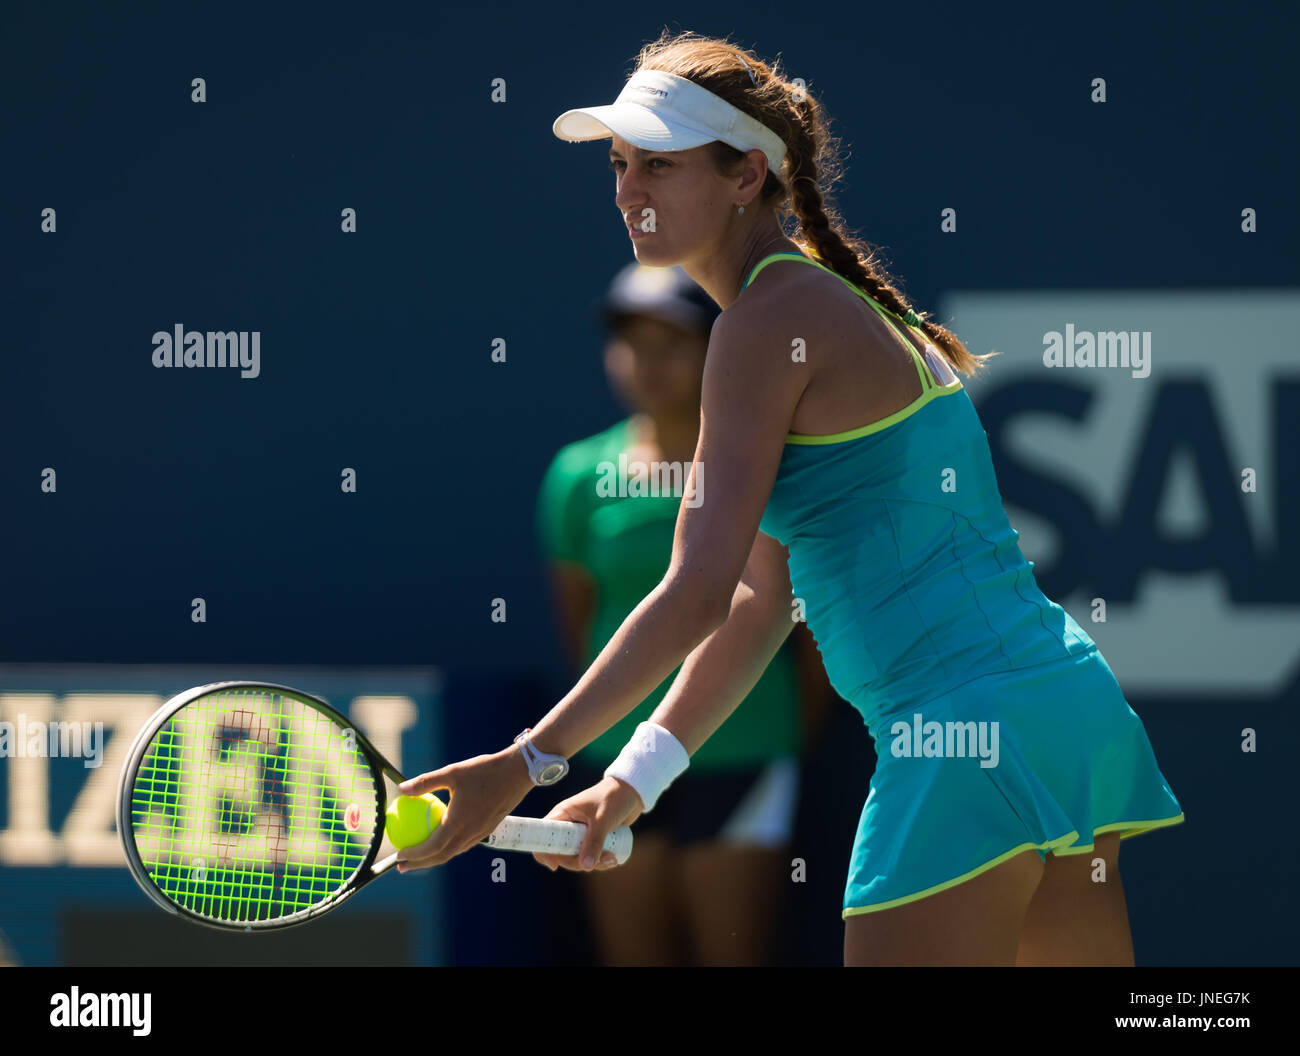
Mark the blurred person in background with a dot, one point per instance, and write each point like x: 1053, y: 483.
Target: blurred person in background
x: 712, y: 861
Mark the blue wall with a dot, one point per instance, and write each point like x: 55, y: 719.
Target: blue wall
x: 475, y: 223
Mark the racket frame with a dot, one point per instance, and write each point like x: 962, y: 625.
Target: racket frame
x: 367, y: 871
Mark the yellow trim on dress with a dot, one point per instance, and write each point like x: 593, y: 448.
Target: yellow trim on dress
x: 876, y: 427
x: 1146, y: 826
x: 1060, y: 842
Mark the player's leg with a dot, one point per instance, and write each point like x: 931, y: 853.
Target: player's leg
x: 633, y: 911
x: 1075, y: 917
x: 732, y: 899
x: 978, y: 922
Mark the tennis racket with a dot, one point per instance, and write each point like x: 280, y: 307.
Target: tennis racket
x: 248, y: 806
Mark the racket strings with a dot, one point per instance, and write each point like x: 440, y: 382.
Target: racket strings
x: 250, y: 806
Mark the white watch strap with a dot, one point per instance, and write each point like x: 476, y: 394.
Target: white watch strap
x: 651, y: 761
x: 537, y: 760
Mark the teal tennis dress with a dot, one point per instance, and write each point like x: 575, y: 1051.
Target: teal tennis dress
x: 998, y: 725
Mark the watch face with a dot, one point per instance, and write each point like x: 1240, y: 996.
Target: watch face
x: 552, y: 772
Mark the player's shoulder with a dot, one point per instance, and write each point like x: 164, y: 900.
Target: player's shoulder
x: 788, y: 301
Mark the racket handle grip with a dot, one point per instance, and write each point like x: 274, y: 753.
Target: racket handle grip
x: 535, y: 835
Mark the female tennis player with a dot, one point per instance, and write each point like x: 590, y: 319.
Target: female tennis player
x: 842, y: 468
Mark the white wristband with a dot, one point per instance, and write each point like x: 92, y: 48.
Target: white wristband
x: 651, y: 761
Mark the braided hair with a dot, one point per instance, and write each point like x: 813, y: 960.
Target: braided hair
x: 812, y: 167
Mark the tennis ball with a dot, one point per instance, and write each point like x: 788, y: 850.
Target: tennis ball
x: 412, y: 819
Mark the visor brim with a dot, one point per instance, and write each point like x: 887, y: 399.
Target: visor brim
x: 638, y: 125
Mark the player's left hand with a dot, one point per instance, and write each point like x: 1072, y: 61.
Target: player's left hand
x: 603, y: 807
x: 484, y: 790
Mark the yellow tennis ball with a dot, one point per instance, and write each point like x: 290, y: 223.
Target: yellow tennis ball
x: 412, y: 819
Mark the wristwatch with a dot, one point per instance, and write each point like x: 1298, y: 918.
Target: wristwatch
x: 544, y: 769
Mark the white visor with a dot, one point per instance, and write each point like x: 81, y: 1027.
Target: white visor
x: 661, y: 111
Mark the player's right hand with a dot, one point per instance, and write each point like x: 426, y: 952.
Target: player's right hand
x: 603, y: 807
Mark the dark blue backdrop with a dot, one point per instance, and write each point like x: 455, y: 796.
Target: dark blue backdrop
x: 475, y: 223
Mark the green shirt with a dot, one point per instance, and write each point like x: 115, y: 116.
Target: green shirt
x: 625, y: 544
